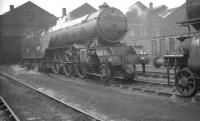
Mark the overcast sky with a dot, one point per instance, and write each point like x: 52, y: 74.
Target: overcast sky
x: 55, y: 6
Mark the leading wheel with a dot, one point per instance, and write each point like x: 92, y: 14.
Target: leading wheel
x: 68, y: 69
x: 105, y: 73
x: 186, y: 83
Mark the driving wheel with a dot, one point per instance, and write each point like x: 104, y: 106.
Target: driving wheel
x: 105, y: 73
x: 68, y: 69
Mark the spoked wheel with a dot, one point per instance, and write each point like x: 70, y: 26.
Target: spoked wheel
x: 186, y: 83
x: 129, y: 72
x: 56, y: 67
x: 68, y: 69
x: 105, y: 73
x: 81, y: 71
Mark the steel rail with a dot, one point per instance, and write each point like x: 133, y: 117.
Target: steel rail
x: 158, y: 92
x: 9, y: 109
x: 94, y: 117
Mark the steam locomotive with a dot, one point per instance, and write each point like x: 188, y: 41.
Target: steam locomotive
x: 187, y: 59
x: 89, y: 45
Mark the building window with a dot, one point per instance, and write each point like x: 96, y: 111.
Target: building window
x: 172, y: 46
x: 154, y: 47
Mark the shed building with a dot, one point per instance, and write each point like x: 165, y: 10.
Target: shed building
x: 16, y: 24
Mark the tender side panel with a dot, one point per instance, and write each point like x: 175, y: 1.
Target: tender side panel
x: 34, y: 46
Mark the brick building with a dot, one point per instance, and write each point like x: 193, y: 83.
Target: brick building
x: 172, y: 29
x: 16, y: 24
x: 154, y: 30
x: 144, y: 28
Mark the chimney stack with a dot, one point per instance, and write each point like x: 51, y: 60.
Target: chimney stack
x: 11, y: 7
x: 64, y: 12
x: 103, y: 6
x: 151, y: 5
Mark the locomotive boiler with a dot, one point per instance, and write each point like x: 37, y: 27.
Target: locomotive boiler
x: 187, y: 59
x: 107, y: 26
x: 89, y: 45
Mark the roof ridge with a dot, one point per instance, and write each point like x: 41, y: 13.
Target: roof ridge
x: 26, y: 3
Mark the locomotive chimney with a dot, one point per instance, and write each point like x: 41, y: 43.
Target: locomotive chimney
x: 11, y: 7
x: 151, y: 5
x: 103, y: 6
x: 64, y: 12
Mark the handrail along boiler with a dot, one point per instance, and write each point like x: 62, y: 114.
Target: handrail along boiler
x: 89, y: 45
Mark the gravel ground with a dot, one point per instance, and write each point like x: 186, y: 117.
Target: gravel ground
x: 29, y: 105
x: 107, y: 102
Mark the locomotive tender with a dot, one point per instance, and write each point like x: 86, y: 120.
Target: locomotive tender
x: 89, y: 45
x: 187, y: 59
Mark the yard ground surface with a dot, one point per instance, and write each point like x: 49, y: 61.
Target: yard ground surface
x: 109, y: 103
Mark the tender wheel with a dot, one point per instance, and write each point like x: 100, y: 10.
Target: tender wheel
x: 129, y: 72
x: 81, y: 71
x: 105, y: 73
x: 186, y: 83
x: 56, y: 67
x: 68, y: 69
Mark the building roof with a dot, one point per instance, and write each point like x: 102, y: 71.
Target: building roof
x: 139, y: 9
x: 138, y: 4
x: 82, y: 10
x: 143, y: 23
x: 29, y: 3
x: 173, y: 20
x: 25, y: 17
x: 160, y: 9
x: 167, y: 12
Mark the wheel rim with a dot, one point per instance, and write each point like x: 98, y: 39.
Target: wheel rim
x: 56, y: 67
x: 105, y: 73
x: 68, y: 69
x: 81, y: 71
x: 185, y: 83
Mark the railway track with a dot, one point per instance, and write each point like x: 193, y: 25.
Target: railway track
x: 87, y: 114
x: 144, y: 86
x: 6, y: 113
x: 162, y: 75
x: 156, y: 78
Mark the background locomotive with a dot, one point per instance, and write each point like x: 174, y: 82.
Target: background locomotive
x: 89, y: 45
x: 187, y: 59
